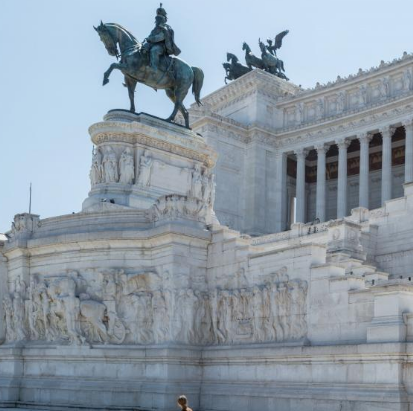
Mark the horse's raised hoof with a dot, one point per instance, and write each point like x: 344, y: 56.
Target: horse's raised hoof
x: 105, y: 81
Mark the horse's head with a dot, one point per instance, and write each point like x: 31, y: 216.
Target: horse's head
x: 105, y: 35
x: 232, y: 57
x: 245, y: 46
x: 226, y: 66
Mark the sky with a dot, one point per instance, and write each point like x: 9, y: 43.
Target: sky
x: 52, y: 65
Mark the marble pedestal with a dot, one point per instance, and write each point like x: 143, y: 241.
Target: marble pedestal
x: 139, y: 158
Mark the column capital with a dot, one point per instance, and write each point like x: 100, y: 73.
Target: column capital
x: 365, y: 137
x: 343, y: 143
x: 387, y: 131
x: 301, y: 152
x: 407, y: 123
x: 322, y: 147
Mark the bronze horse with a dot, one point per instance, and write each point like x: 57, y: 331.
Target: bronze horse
x: 234, y: 69
x: 173, y: 75
x: 251, y: 59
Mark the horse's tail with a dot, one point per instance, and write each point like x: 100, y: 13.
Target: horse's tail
x: 197, y: 84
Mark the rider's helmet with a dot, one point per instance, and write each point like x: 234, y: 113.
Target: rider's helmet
x: 160, y: 11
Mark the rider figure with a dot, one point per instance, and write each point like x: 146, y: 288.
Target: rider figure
x: 161, y: 40
x: 271, y: 48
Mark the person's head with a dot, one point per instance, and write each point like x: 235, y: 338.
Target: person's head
x: 160, y: 20
x: 183, y: 402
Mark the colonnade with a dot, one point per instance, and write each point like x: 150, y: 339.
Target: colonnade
x: 342, y: 144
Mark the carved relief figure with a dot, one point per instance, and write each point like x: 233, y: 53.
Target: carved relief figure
x: 196, y: 185
x: 109, y: 291
x: 70, y: 305
x: 8, y: 314
x: 384, y: 87
x: 269, y: 332
x: 126, y: 167
x: 258, y: 305
x: 203, y: 321
x: 320, y: 109
x: 299, y: 113
x: 341, y: 100
x: 96, y: 171
x: 224, y: 317
x: 160, y: 317
x: 363, y: 95
x: 206, y: 188
x: 18, y: 317
x: 49, y: 331
x: 20, y: 287
x: 407, y: 80
x: 145, y: 169
x: 34, y: 310
x: 110, y: 166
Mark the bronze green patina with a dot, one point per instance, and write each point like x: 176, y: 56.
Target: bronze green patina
x: 234, y: 69
x: 153, y: 63
x: 268, y: 61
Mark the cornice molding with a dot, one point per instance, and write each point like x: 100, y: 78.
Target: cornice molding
x: 353, y: 80
x: 252, y: 82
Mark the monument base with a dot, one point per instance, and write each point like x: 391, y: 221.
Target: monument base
x: 139, y: 158
x: 214, y: 379
x: 99, y: 378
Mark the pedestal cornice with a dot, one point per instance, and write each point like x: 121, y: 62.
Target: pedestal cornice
x: 152, y: 132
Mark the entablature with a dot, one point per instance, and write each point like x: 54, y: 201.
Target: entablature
x: 368, y: 90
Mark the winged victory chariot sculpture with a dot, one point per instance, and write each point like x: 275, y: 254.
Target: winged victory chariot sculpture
x: 153, y: 63
x: 268, y: 60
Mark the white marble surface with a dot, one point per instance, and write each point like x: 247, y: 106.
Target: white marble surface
x: 133, y: 302
x: 251, y: 121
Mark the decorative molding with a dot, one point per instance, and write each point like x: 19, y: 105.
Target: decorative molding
x: 361, y: 75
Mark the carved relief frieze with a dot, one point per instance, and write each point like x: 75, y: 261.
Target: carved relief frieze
x: 208, y: 158
x: 112, y: 306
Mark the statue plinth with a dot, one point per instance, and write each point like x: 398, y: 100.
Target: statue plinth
x: 140, y: 159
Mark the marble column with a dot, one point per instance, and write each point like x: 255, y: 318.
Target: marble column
x: 300, y: 184
x: 408, y: 159
x: 386, y: 175
x: 342, y: 178
x: 280, y: 192
x: 321, y: 182
x: 364, y: 175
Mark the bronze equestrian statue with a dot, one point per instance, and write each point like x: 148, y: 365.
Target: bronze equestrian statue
x: 153, y: 63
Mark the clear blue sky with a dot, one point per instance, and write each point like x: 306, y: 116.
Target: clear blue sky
x: 52, y: 63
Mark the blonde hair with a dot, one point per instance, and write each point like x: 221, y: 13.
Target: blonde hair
x: 183, y: 401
